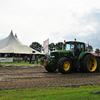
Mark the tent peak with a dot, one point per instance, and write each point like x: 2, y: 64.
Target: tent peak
x: 11, y: 32
x: 16, y: 35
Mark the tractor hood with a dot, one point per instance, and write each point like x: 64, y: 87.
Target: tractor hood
x: 60, y: 53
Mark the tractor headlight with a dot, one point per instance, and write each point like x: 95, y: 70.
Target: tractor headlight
x: 52, y: 57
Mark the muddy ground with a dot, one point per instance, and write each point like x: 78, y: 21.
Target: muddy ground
x: 39, y: 77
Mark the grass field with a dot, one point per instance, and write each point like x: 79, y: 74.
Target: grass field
x: 18, y: 64
x: 52, y: 93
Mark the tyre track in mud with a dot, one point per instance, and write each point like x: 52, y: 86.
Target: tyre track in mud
x: 11, y: 78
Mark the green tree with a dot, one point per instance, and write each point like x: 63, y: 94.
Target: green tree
x: 58, y: 46
x: 37, y: 46
x: 89, y: 48
x: 97, y: 51
x: 51, y: 46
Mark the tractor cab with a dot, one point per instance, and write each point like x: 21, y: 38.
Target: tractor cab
x: 74, y: 46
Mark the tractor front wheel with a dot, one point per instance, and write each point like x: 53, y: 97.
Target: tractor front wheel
x: 50, y: 68
x: 64, y: 65
x: 89, y: 63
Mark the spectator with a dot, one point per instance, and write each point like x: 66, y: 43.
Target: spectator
x: 19, y: 58
x: 42, y: 60
x: 30, y: 60
x: 39, y: 56
x: 37, y: 59
x: 8, y: 55
x: 25, y: 59
x: 45, y: 57
x: 5, y: 56
x: 33, y: 59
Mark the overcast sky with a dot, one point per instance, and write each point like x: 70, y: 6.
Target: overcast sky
x: 58, y: 20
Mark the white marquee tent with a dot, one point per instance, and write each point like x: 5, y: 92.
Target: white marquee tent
x: 18, y: 49
x: 11, y: 44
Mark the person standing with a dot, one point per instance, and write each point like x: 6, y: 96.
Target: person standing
x: 30, y: 58
x: 42, y: 60
x: 5, y: 55
x: 8, y: 55
x: 19, y: 58
x: 45, y: 57
x: 39, y: 56
x: 37, y: 59
x: 33, y: 59
x: 25, y: 59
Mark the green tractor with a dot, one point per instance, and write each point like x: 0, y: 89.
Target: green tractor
x: 73, y: 56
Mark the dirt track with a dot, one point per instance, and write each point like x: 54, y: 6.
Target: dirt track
x: 39, y: 77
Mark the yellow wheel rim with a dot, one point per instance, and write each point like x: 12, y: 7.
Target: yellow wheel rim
x: 92, y: 64
x: 66, y: 65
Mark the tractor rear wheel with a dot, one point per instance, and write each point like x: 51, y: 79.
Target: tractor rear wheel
x: 64, y: 65
x: 89, y: 63
x: 50, y: 68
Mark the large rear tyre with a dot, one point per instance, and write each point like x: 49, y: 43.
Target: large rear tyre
x: 89, y: 63
x: 50, y: 68
x: 64, y: 65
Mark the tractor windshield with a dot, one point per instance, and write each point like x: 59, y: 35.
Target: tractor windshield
x: 74, y: 46
x: 70, y: 46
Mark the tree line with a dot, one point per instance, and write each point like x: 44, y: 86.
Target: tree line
x: 38, y: 47
x: 56, y: 46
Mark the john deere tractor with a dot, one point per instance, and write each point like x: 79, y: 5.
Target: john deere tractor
x: 72, y: 57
